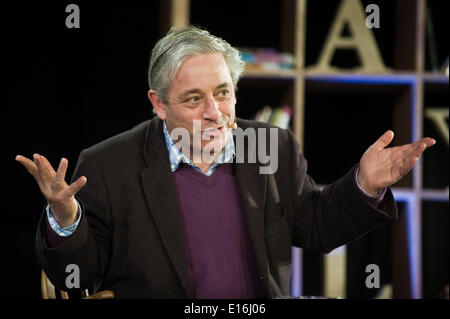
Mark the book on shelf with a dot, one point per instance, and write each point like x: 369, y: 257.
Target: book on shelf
x: 279, y: 116
x: 266, y: 59
x: 264, y: 114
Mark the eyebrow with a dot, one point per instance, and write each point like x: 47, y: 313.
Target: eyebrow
x: 198, y: 91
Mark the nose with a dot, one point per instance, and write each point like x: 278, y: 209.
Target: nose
x: 212, y: 111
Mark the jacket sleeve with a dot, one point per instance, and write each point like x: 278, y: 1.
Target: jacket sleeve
x: 324, y: 219
x: 89, y: 247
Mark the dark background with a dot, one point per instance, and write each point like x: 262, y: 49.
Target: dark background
x: 67, y: 89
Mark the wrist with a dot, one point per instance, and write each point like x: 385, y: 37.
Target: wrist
x: 63, y: 223
x: 365, y: 187
x: 65, y: 215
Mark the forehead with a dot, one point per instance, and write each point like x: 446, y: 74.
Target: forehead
x: 202, y: 71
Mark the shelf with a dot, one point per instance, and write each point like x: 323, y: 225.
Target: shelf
x: 408, y: 194
x: 327, y: 104
x: 435, y: 78
x: 403, y: 194
x: 436, y: 195
x: 380, y: 79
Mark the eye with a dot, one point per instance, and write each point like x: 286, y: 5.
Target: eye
x: 224, y: 93
x: 193, y: 99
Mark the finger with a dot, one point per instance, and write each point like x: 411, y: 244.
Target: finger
x: 48, y: 166
x: 76, y: 186
x: 384, y: 140
x: 61, y: 173
x: 419, y: 149
x: 409, y: 155
x: 421, y: 145
x: 428, y: 141
x: 46, y: 171
x: 29, y: 165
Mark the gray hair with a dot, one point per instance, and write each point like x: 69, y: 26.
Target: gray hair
x: 181, y: 43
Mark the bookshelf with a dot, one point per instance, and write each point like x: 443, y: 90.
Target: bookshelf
x: 361, y: 104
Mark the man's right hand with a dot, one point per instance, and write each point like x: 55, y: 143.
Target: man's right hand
x: 59, y: 195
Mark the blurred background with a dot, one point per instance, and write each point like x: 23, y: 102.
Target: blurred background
x: 336, y: 73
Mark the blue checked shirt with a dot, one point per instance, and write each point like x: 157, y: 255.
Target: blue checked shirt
x: 175, y: 158
x: 66, y: 231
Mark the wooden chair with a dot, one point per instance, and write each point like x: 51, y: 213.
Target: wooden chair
x: 50, y: 292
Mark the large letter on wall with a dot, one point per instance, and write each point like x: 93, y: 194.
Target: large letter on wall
x: 439, y: 117
x: 362, y: 40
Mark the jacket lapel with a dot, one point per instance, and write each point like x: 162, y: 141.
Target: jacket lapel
x: 159, y: 189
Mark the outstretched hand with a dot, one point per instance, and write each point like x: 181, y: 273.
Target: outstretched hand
x: 380, y: 166
x: 59, y: 195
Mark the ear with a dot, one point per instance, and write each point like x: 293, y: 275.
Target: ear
x: 158, y: 104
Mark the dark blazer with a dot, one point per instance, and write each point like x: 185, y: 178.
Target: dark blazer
x: 129, y: 239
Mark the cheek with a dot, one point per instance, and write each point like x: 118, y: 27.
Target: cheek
x: 184, y: 118
x: 227, y: 108
x: 189, y: 119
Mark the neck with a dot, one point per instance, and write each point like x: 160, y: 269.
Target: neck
x: 202, y: 163
x: 203, y: 166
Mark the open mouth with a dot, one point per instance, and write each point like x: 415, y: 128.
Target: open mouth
x: 213, y: 131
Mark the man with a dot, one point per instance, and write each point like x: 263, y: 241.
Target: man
x: 151, y: 216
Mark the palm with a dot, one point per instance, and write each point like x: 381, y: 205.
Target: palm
x: 59, y: 195
x: 381, y: 167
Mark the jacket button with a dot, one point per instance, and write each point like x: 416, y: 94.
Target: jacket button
x: 261, y: 277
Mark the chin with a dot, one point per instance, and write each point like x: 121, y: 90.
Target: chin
x: 211, y: 145
x: 214, y: 144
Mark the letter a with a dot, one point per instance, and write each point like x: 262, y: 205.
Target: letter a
x: 362, y: 40
x: 373, y: 280
x: 73, y: 19
x: 439, y: 116
x: 73, y: 280
x: 373, y: 19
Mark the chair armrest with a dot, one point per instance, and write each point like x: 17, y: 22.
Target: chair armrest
x: 104, y: 294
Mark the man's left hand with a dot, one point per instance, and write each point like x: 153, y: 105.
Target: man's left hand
x: 380, y: 167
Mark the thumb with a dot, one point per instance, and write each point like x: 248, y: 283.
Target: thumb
x: 384, y: 140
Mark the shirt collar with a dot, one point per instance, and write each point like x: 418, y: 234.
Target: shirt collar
x: 176, y: 156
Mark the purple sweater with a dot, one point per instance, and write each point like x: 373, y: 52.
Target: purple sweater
x: 221, y: 261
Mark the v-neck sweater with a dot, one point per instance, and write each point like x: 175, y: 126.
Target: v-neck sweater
x: 220, y: 256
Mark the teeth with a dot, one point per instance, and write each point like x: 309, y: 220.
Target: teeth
x: 211, y: 129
